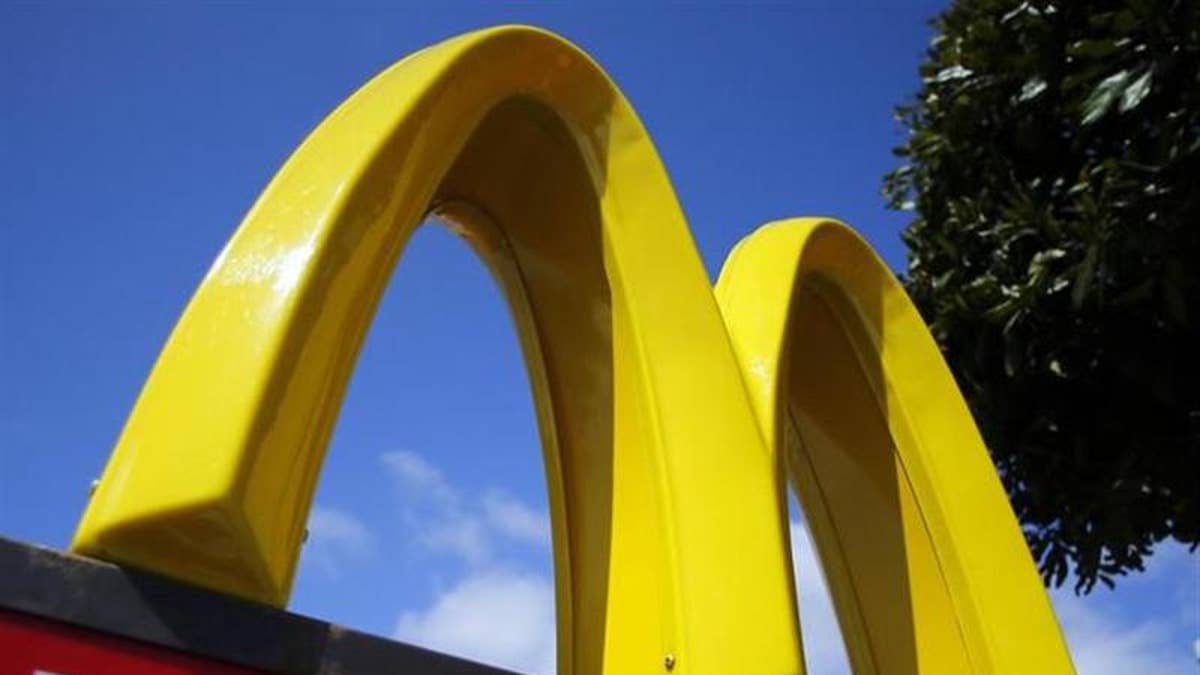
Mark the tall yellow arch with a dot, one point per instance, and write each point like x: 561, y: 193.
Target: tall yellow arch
x: 927, y: 567
x: 669, y: 534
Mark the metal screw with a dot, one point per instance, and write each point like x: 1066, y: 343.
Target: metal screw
x: 669, y: 662
x: 92, y: 488
x: 304, y: 537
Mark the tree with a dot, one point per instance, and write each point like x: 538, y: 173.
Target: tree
x: 1053, y: 167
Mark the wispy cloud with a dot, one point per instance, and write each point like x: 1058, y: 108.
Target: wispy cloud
x: 446, y: 520
x: 496, y: 613
x: 512, y: 518
x: 1148, y: 624
x: 417, y: 476
x: 1103, y: 644
x: 335, y: 537
x: 434, y: 511
x: 501, y: 618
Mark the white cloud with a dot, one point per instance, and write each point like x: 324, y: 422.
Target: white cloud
x: 458, y: 533
x: 501, y: 618
x: 493, y: 614
x: 434, y: 510
x: 335, y: 537
x: 446, y: 520
x: 417, y: 476
x: 1103, y: 644
x: 513, y: 518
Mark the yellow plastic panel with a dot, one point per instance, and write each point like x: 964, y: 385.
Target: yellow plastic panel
x: 925, y: 561
x: 670, y: 540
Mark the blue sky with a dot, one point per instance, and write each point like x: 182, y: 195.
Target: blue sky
x: 133, y: 140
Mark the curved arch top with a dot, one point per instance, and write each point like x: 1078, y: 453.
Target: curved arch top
x: 925, y: 561
x: 668, y: 532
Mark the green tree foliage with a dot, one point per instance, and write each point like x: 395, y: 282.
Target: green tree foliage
x: 1053, y: 167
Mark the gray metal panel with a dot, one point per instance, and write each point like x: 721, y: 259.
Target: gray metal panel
x: 119, y: 601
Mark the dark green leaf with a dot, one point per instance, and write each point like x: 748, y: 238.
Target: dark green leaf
x: 1032, y: 88
x: 1093, y: 48
x: 1085, y: 275
x: 1135, y: 92
x: 955, y: 72
x: 1104, y: 96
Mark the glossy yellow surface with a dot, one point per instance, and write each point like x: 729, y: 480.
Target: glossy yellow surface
x: 668, y: 509
x: 669, y: 535
x: 927, y: 567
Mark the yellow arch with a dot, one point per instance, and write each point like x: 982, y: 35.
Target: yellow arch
x: 669, y: 534
x: 927, y: 567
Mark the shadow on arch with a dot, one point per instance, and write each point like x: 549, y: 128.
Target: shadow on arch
x: 927, y: 567
x: 670, y: 543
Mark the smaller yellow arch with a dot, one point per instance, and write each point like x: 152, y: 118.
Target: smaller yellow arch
x: 925, y: 561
